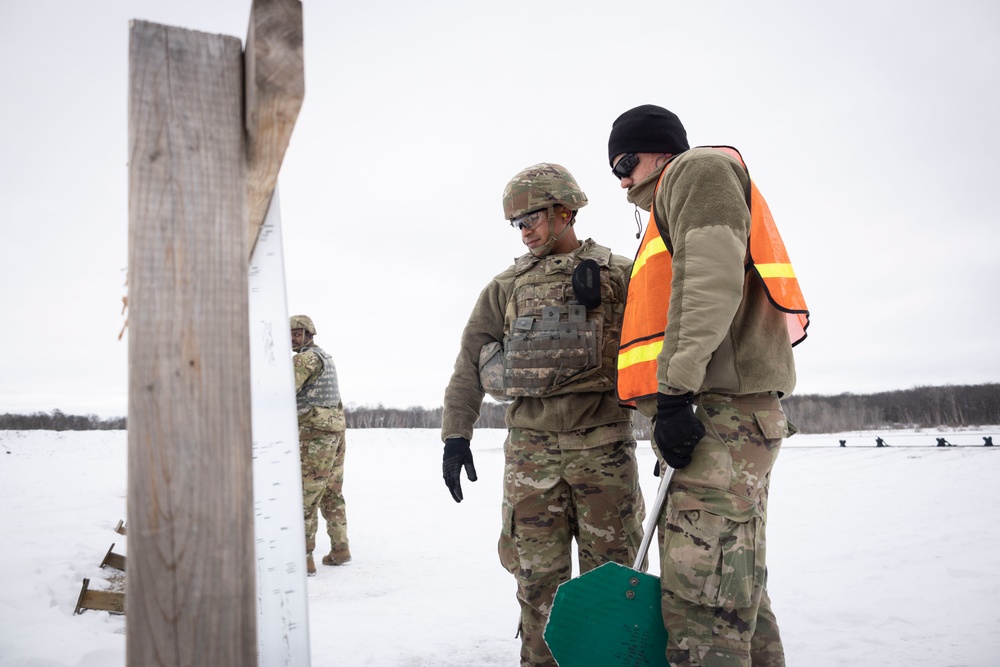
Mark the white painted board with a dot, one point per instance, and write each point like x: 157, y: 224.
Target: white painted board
x: 279, y: 528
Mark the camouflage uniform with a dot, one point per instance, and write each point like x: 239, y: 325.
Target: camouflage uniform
x: 321, y: 430
x: 332, y: 504
x: 714, y: 582
x: 570, y: 457
x: 560, y: 486
x: 544, y: 335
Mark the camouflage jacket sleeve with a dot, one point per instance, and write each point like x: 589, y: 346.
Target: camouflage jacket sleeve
x: 463, y: 397
x: 621, y: 271
x: 308, y: 366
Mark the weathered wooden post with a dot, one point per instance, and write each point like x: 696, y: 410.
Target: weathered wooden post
x: 275, y: 88
x: 201, y: 172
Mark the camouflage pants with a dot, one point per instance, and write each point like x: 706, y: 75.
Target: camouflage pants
x: 332, y: 504
x: 711, y: 534
x: 318, y: 451
x: 557, y: 487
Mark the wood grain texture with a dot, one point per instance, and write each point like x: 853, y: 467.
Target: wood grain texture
x: 190, y: 584
x: 109, y: 601
x: 275, y: 88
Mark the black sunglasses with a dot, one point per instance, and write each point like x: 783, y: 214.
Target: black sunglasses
x: 625, y: 166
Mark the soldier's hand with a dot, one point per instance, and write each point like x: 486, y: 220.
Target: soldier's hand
x: 676, y: 431
x: 456, y: 456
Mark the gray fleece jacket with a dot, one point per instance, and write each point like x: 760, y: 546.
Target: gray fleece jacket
x: 722, y: 335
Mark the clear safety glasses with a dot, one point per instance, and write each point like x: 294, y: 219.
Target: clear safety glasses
x: 529, y: 220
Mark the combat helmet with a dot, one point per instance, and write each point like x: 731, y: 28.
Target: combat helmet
x: 302, y: 322
x: 541, y: 186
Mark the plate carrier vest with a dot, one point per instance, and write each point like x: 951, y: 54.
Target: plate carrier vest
x: 325, y: 391
x: 553, y: 344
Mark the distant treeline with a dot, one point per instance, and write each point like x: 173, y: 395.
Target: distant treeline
x: 921, y: 407
x: 950, y: 406
x: 57, y: 420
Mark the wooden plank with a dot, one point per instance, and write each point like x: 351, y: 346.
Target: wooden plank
x: 275, y: 88
x: 111, y: 559
x: 190, y: 582
x: 101, y: 600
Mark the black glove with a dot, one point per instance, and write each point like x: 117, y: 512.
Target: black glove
x: 676, y: 430
x: 456, y: 455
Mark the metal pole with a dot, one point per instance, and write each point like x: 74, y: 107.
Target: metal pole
x: 654, y: 515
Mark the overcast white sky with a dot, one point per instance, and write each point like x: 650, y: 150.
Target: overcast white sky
x: 871, y: 128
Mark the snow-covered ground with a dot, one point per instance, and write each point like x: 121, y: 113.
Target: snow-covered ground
x: 877, y: 556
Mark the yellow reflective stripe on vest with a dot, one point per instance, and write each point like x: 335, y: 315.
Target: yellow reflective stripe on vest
x: 654, y: 247
x: 640, y: 353
x: 775, y: 270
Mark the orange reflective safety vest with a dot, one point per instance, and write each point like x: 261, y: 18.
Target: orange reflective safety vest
x: 649, y: 293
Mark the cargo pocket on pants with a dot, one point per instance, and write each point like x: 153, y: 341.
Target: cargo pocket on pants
x: 633, y: 512
x: 773, y: 424
x: 711, y: 559
x: 507, y: 546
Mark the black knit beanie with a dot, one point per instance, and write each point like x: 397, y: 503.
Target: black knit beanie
x: 647, y: 129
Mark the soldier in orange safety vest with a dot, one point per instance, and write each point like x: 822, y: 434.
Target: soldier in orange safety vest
x: 712, y: 312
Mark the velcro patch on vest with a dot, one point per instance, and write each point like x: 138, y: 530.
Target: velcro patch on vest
x: 542, y: 354
x: 554, y: 344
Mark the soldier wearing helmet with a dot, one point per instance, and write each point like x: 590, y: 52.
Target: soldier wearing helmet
x: 303, y: 331
x: 322, y: 442
x: 530, y: 201
x: 543, y: 336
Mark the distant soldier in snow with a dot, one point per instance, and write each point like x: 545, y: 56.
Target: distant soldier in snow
x: 987, y: 441
x: 544, y: 335
x: 843, y: 443
x: 879, y: 442
x: 942, y: 442
x: 321, y: 441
